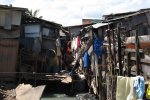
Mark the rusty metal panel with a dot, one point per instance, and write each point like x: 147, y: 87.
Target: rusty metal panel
x: 15, y: 33
x: 8, y: 56
x: 139, y: 19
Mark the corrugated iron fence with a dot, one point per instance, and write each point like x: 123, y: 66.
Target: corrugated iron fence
x: 8, y: 57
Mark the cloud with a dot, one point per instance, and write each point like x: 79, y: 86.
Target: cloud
x: 127, y: 5
x: 71, y: 12
x: 6, y: 2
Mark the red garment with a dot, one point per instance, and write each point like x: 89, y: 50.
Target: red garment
x: 78, y: 42
x: 69, y: 47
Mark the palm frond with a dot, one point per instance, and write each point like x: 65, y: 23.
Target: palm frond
x: 41, y: 17
x: 33, y: 13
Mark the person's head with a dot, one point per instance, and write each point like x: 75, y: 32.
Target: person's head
x: 51, y: 53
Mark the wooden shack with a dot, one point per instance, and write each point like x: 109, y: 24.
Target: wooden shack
x: 38, y: 46
x: 10, y: 27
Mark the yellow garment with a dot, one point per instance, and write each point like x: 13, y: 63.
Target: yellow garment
x: 148, y: 91
x: 125, y: 90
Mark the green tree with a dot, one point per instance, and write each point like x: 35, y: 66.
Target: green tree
x: 33, y: 13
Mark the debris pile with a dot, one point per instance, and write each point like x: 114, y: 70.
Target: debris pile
x: 23, y: 92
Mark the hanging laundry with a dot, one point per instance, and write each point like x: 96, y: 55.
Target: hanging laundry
x: 86, y: 60
x: 88, y: 44
x: 79, y: 41
x: 98, y: 46
x: 125, y: 89
x: 58, y: 43
x: 79, y: 53
x: 58, y: 47
x: 72, y: 45
x: 75, y: 44
x: 139, y: 86
x: 68, y: 47
x: 83, y: 48
x: 94, y: 63
x: 90, y: 50
x: 148, y: 91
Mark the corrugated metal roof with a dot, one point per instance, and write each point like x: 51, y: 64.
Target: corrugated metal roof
x: 30, y: 19
x: 83, y: 25
x: 130, y: 15
x: 99, y: 25
x: 12, y: 8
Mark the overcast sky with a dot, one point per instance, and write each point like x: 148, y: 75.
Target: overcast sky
x: 71, y: 12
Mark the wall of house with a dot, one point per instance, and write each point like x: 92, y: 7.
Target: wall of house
x: 9, y: 18
x: 8, y: 58
x: 9, y: 43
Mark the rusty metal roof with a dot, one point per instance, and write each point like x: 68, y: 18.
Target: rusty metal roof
x: 142, y: 11
x: 82, y: 25
x: 30, y: 19
x: 99, y: 25
x: 6, y: 7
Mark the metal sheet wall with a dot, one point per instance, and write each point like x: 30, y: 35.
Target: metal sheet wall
x: 8, y: 56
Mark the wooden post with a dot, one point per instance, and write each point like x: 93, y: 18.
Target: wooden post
x: 137, y: 53
x: 114, y: 50
x: 109, y: 42
x: 108, y: 80
x: 119, y: 50
x: 128, y: 63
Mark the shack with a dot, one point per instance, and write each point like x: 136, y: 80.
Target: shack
x: 29, y: 46
x: 125, y: 56
x: 128, y: 54
x: 38, y: 50
x: 10, y: 28
x: 94, y: 44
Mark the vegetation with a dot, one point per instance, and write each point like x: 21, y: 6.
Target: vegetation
x: 33, y: 13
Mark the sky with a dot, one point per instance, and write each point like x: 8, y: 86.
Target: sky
x: 71, y: 12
